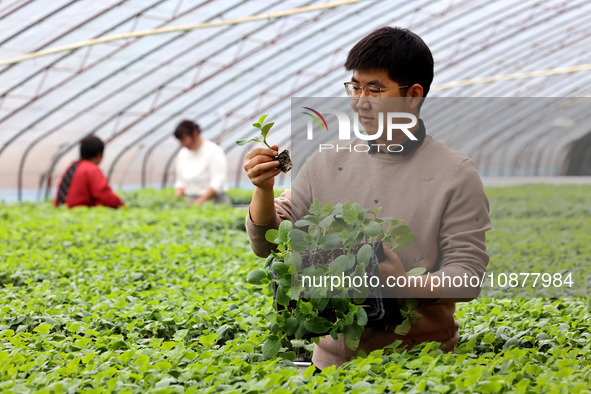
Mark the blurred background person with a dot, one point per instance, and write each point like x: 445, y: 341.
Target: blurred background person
x: 83, y: 183
x: 201, y: 167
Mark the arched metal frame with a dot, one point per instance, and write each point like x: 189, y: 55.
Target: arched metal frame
x: 468, y: 38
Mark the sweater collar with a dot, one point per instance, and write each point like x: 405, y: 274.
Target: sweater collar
x: 408, y: 147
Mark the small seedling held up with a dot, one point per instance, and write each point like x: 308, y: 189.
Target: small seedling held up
x: 283, y: 157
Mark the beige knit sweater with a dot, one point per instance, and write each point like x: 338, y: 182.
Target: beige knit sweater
x: 439, y: 194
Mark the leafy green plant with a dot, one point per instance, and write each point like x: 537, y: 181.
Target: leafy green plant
x: 337, y: 241
x: 264, y: 128
x: 283, y: 157
x: 154, y: 300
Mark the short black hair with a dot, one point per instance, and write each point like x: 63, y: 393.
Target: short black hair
x: 91, y: 147
x: 186, y: 128
x: 399, y: 51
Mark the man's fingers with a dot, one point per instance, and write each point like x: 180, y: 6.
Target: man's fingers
x: 262, y: 168
x: 265, y: 176
x: 252, y: 165
x: 256, y: 160
x: 261, y: 151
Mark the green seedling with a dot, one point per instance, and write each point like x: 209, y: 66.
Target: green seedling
x: 283, y: 157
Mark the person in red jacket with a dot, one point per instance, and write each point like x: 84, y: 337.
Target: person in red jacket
x: 83, y: 183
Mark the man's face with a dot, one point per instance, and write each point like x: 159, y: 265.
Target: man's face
x: 391, y: 100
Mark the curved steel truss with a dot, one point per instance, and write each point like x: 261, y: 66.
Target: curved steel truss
x: 133, y: 91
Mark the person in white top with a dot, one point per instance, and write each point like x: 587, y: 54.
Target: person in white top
x: 201, y: 167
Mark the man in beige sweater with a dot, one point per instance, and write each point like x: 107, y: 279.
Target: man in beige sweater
x: 436, y: 190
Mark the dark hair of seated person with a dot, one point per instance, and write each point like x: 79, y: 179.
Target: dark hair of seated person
x: 186, y: 128
x: 91, y: 147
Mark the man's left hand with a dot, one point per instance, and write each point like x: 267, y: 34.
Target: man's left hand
x: 391, y: 267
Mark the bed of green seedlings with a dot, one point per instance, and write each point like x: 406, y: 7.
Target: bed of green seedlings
x: 153, y: 298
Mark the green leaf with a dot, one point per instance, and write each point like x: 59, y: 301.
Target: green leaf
x: 291, y: 355
x: 319, y: 303
x: 284, y: 228
x: 489, y: 387
x: 118, y: 345
x: 364, y: 254
x: 405, y: 240
x: 280, y: 268
x: 309, y: 372
x: 353, y: 331
x: 208, y: 340
x: 283, y: 297
x: 296, y: 262
x: 271, y: 347
x: 334, y: 334
x: 417, y: 271
x: 301, y: 331
x: 244, y: 142
x: 291, y: 325
x: 307, y: 221
x: 372, y: 229
x: 414, y: 317
x: 489, y: 338
x: 256, y: 277
x: 329, y: 241
x: 340, y: 303
x: 326, y: 222
x: 285, y: 281
x: 403, y: 328
x: 270, y: 258
x: 342, y: 263
x: 272, y: 235
x: 266, y: 128
x: 350, y: 216
x: 256, y: 125
x: 352, y: 344
x: 315, y: 208
x: 262, y: 119
x: 317, y: 325
x: 361, y: 316
x: 42, y: 328
x: 400, y: 230
x: 299, y: 240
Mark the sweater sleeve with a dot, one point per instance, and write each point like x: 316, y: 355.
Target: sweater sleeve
x: 462, y: 234
x: 256, y: 232
x: 100, y: 191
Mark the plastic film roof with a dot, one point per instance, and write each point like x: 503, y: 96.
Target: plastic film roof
x: 132, y: 92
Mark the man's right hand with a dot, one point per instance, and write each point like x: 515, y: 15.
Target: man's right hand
x: 179, y: 192
x: 261, y: 167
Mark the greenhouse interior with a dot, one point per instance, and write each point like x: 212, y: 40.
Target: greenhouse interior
x: 167, y: 294
x: 130, y: 71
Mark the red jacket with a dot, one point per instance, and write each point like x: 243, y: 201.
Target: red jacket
x: 89, y: 187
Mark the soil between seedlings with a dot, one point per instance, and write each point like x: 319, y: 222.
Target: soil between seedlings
x: 324, y: 257
x: 284, y: 161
